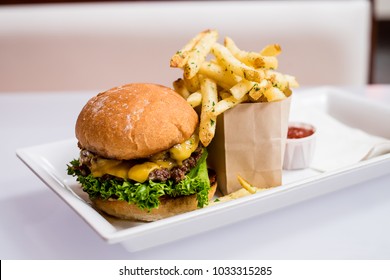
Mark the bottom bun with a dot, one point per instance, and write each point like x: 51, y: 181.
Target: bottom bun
x: 168, y: 207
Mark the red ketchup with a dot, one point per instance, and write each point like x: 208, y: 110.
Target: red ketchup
x: 295, y: 132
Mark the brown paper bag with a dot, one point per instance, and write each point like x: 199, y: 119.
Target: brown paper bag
x: 249, y: 141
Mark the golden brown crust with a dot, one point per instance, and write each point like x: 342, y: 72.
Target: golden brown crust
x: 135, y: 121
x: 168, y: 207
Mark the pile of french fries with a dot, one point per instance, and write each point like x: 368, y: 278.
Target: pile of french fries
x: 232, y: 77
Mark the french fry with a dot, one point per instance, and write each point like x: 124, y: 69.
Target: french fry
x: 280, y: 80
x: 207, y: 119
x: 224, y: 94
x: 226, y: 58
x: 277, y: 79
x: 180, y: 58
x: 195, y: 99
x: 274, y: 94
x: 246, y: 190
x: 245, y: 57
x: 271, y: 50
x: 252, y: 59
x: 180, y: 87
x: 227, y: 103
x: 258, y: 89
x: 246, y: 185
x: 199, y: 52
x: 192, y: 84
x: 242, y: 88
x: 234, y: 195
x: 292, y: 82
x: 267, y: 62
x: 220, y: 75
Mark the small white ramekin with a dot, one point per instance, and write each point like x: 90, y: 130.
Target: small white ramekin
x: 299, y: 152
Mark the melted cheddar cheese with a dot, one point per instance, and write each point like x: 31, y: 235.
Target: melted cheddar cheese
x: 184, y: 150
x: 140, y: 172
x: 113, y: 167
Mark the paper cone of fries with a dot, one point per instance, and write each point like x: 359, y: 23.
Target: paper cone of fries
x: 243, y: 103
x: 249, y: 141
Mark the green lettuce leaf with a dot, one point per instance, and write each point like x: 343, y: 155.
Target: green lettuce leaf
x: 145, y: 195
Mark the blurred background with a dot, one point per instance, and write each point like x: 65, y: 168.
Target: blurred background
x: 378, y: 44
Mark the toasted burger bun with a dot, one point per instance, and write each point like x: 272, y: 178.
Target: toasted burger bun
x: 135, y: 121
x: 168, y: 207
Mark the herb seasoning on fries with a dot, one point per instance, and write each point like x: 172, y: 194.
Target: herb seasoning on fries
x: 232, y: 76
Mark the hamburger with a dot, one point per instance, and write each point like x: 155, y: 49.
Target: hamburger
x: 140, y: 154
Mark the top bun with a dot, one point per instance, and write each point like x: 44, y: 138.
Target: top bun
x: 135, y: 121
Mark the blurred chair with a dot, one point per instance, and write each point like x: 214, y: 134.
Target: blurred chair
x: 63, y: 47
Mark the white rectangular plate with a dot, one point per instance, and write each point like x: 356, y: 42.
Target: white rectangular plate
x: 49, y: 162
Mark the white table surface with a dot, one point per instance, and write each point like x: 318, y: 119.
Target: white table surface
x: 35, y: 223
